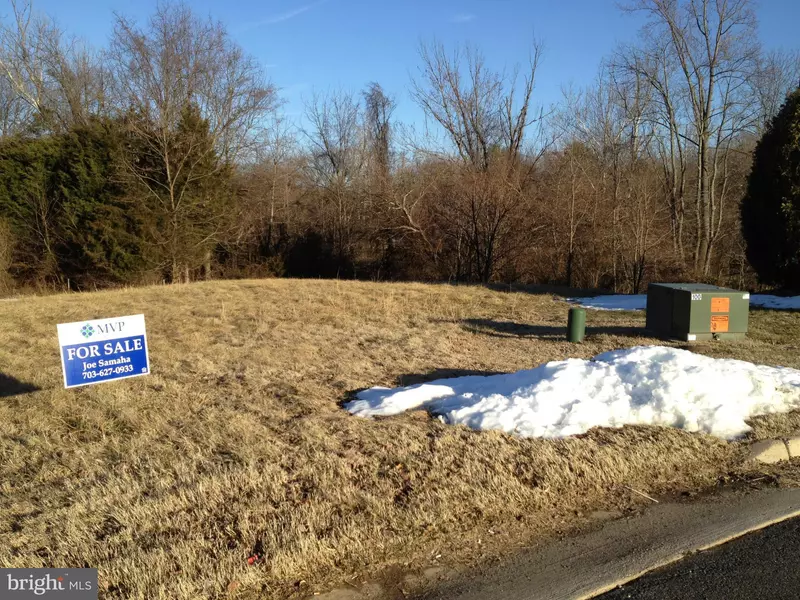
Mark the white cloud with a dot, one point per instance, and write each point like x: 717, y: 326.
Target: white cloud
x: 463, y: 18
x: 280, y: 18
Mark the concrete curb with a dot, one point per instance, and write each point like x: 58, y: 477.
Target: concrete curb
x: 718, y: 542
x: 625, y: 549
x: 776, y: 450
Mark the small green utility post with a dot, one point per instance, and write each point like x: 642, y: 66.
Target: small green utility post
x: 576, y: 325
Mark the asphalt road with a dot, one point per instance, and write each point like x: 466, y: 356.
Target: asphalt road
x: 764, y: 564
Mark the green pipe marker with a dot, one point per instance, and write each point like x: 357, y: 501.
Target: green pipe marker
x: 576, y: 325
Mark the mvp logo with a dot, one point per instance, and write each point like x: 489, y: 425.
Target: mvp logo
x: 111, y: 327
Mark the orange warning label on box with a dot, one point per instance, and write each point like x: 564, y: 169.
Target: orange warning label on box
x: 719, y: 324
x: 720, y: 305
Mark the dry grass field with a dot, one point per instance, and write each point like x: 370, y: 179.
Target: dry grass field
x: 236, y: 442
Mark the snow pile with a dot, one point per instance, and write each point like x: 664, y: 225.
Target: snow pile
x: 613, y: 302
x: 650, y: 385
x: 639, y: 302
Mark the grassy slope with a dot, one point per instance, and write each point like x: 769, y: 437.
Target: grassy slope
x: 167, y: 482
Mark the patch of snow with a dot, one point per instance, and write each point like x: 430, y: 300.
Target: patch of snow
x: 775, y: 302
x: 647, y: 385
x: 613, y: 302
x: 639, y: 302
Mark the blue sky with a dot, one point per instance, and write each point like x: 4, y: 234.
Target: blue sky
x: 325, y: 44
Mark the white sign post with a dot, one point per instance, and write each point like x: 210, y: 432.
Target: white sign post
x: 103, y: 350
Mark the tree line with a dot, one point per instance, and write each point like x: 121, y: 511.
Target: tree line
x: 164, y: 157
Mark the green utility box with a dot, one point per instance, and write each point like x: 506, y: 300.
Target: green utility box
x: 696, y: 311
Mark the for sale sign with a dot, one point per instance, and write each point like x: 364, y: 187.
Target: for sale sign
x: 103, y: 350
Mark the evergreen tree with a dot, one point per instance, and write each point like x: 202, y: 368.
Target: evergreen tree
x: 185, y: 188
x: 100, y: 231
x: 66, y: 205
x: 771, y: 207
x: 29, y: 208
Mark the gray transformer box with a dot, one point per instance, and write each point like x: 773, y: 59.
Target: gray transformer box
x: 696, y: 311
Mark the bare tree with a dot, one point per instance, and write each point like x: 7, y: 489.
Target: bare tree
x: 575, y: 198
x: 267, y: 187
x: 81, y: 81
x: 336, y: 136
x: 487, y: 118
x: 378, y: 114
x: 666, y: 113
x: 607, y: 210
x: 13, y: 109
x: 338, y: 159
x: 177, y: 63
x: 586, y: 178
x: 482, y: 111
x: 179, y: 59
x: 25, y: 44
x: 775, y: 76
x: 59, y: 78
x: 712, y: 46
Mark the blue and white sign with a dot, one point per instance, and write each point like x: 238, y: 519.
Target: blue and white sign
x: 103, y: 350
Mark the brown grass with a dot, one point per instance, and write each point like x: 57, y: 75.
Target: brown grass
x: 166, y: 483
